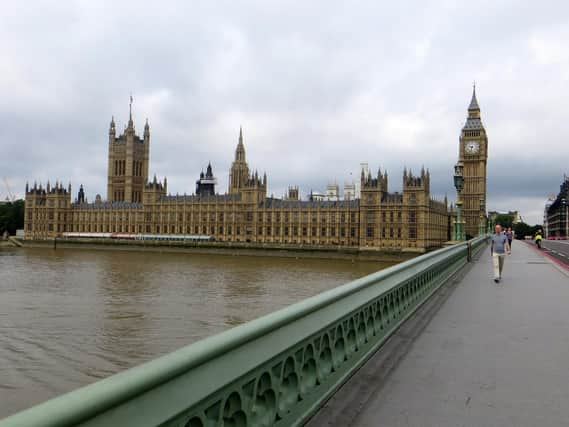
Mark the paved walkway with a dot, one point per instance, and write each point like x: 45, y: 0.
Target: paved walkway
x: 492, y: 355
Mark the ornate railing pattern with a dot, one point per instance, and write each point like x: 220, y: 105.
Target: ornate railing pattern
x: 273, y: 371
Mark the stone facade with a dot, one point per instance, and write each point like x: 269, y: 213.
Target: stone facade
x: 410, y: 220
x: 557, y: 214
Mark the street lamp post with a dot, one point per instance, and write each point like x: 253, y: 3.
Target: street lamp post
x: 482, y: 226
x: 459, y: 185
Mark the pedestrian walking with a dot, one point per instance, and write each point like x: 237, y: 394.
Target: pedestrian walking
x: 498, y: 249
x: 510, y: 236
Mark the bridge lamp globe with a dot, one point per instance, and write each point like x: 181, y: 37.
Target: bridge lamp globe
x: 459, y: 176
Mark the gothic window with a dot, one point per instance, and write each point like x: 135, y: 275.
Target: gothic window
x: 313, y: 231
x: 353, y: 232
x: 221, y: 230
x: 343, y: 232
x: 412, y: 232
x: 304, y: 231
x: 391, y: 216
x: 332, y: 232
x: 412, y: 217
x: 286, y: 231
x: 369, y: 232
x: 268, y: 231
x: 323, y: 231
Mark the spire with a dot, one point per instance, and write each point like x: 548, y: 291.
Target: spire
x: 146, y: 128
x: 473, y: 102
x: 112, y: 126
x: 240, y: 151
x: 130, y: 122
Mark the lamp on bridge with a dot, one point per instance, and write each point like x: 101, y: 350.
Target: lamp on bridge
x: 459, y: 185
x: 482, y: 227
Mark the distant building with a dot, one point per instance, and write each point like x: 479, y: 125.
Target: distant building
x: 332, y: 192
x: 558, y: 212
x: 349, y: 191
x: 548, y: 204
x: 516, y: 217
x: 373, y: 219
x: 205, y: 186
x: 315, y: 196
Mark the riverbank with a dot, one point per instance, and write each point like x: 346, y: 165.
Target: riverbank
x: 227, y: 248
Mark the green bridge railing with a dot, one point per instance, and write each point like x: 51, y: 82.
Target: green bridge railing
x: 273, y: 371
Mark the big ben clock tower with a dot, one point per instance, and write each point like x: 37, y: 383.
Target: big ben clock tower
x: 473, y: 153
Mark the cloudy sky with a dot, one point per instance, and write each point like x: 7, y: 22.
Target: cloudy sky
x: 318, y: 86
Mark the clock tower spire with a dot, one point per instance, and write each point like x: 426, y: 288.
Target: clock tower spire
x: 473, y: 153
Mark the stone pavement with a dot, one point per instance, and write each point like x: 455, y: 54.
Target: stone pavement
x: 491, y: 355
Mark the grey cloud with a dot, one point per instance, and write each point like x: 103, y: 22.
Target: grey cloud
x: 318, y: 86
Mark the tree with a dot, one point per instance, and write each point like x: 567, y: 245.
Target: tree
x: 504, y: 220
x: 522, y: 230
x: 12, y: 216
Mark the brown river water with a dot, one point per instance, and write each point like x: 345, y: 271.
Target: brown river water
x: 71, y: 317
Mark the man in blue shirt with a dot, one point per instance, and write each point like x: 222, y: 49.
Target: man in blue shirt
x: 498, y: 250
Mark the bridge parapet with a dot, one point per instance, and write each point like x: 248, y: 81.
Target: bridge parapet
x: 273, y: 371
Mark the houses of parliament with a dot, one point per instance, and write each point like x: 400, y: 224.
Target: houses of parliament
x: 379, y: 219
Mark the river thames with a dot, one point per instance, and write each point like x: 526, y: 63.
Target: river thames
x: 71, y: 317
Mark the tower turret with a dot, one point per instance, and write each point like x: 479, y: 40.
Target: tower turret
x: 239, y: 173
x: 128, y: 162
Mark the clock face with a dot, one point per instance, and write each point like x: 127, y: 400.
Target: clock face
x: 472, y: 147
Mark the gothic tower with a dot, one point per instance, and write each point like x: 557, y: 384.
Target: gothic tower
x: 473, y: 152
x: 128, y: 162
x: 239, y: 173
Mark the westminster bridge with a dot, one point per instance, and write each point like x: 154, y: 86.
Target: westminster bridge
x: 430, y: 341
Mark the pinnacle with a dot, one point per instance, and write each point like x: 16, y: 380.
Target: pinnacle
x: 473, y: 102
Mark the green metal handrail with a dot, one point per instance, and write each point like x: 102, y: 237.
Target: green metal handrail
x: 273, y: 371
